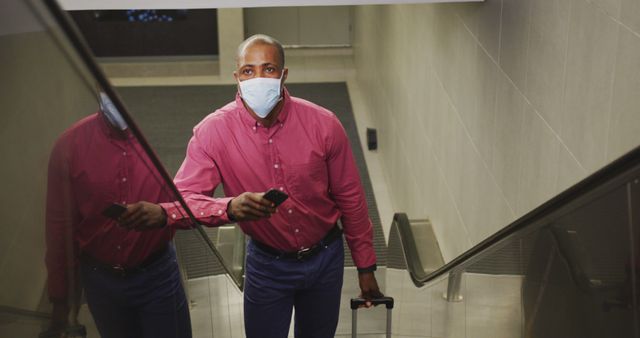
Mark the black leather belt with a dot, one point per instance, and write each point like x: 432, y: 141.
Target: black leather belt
x: 120, y: 270
x: 303, y: 254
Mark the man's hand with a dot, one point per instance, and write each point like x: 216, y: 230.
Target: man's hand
x: 143, y: 216
x: 250, y: 206
x: 369, y: 287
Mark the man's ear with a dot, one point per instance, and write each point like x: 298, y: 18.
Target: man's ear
x: 285, y: 74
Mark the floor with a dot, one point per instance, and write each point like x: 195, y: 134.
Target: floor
x: 216, y: 308
x: 490, y: 307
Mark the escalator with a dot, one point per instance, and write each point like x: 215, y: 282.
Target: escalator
x: 569, y: 268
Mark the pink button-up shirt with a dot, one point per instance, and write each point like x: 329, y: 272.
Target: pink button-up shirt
x: 305, y: 153
x: 90, y: 168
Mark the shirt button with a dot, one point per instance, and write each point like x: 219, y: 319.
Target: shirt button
x: 124, y: 153
x: 124, y: 202
x: 270, y: 141
x: 281, y: 188
x: 290, y: 211
x: 118, y: 247
x: 173, y: 216
x: 281, y: 125
x: 219, y: 212
x: 276, y: 165
x: 297, y: 230
x: 201, y: 213
x: 254, y: 128
x: 124, y: 179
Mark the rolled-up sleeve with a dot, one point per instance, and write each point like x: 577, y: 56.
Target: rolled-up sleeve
x: 196, y: 180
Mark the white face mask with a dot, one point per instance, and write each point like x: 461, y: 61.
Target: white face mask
x: 111, y: 113
x: 261, y: 94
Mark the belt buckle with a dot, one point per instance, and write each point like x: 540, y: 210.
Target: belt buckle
x: 119, y: 269
x: 302, y: 254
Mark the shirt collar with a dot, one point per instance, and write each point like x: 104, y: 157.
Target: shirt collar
x: 109, y: 130
x: 251, y: 122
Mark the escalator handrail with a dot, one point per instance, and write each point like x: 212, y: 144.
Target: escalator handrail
x: 35, y: 315
x: 413, y: 262
x: 608, y: 177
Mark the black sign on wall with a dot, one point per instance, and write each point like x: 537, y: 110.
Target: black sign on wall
x: 115, y: 33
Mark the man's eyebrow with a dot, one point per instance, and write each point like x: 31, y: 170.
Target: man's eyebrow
x: 255, y: 65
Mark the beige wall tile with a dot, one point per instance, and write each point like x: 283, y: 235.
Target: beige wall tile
x: 231, y: 34
x: 464, y: 79
x: 427, y: 175
x: 481, y: 123
x: 508, y: 146
x: 630, y: 14
x: 260, y: 21
x: 570, y: 171
x: 546, y: 58
x: 325, y: 24
x: 469, y: 190
x: 468, y: 13
x: 482, y: 19
x: 444, y: 26
x: 489, y: 15
x: 448, y: 226
x: 539, y: 163
x: 514, y: 39
x: 437, y: 118
x: 451, y: 160
x: 624, y: 129
x: 589, y: 78
x: 481, y: 203
x: 415, y: 189
x: 610, y: 7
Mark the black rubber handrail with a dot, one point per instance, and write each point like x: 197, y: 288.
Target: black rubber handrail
x: 402, y: 224
x: 612, y: 175
x: 35, y: 315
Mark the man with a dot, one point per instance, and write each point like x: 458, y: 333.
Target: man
x: 130, y: 278
x: 267, y: 139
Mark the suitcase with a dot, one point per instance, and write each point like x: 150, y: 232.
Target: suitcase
x: 356, y: 302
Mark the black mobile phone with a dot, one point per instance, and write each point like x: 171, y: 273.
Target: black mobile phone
x: 114, y: 210
x: 276, y: 196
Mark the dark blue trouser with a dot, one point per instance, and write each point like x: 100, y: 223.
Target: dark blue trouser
x: 274, y: 286
x: 150, y: 303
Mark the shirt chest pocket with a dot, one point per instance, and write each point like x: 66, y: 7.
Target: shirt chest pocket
x: 307, y: 180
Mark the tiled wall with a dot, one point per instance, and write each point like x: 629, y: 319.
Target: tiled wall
x: 486, y: 110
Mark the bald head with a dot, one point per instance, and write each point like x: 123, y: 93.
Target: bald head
x: 264, y: 40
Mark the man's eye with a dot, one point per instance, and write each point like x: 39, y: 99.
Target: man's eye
x: 271, y: 69
x: 246, y: 71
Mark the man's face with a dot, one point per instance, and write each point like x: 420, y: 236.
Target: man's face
x: 259, y: 60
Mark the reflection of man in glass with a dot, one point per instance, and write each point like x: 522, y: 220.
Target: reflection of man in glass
x: 130, y: 277
x: 267, y: 139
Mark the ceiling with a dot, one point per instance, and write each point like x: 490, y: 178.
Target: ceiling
x: 186, y: 4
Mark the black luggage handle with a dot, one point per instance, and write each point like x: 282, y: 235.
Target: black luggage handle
x: 387, y: 301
